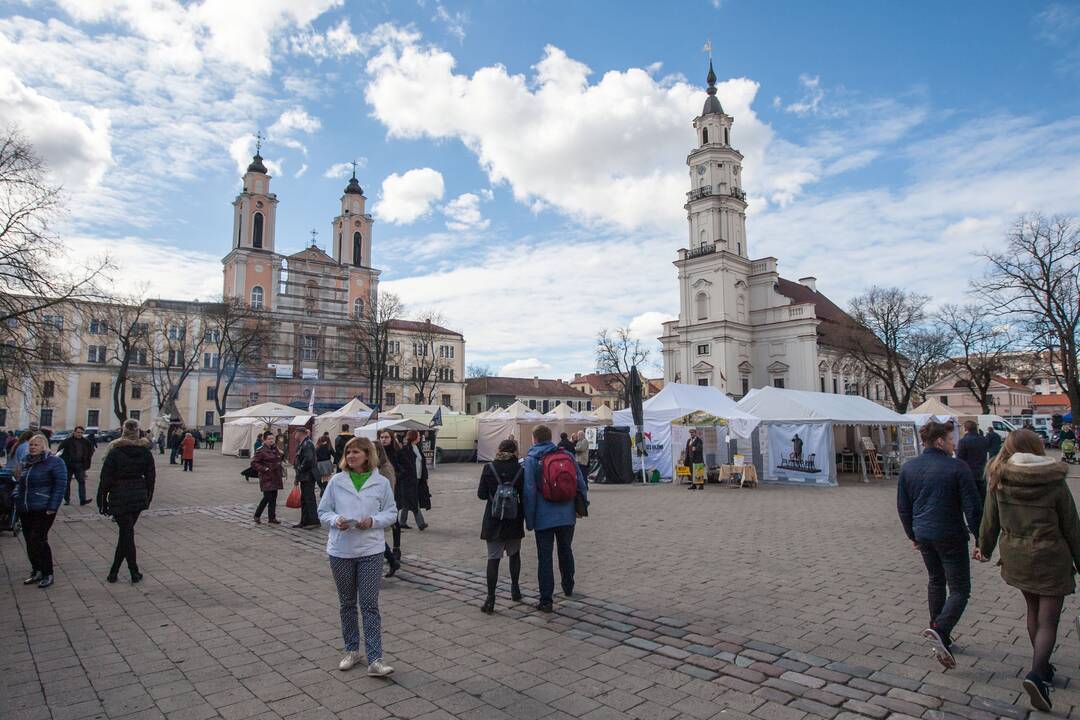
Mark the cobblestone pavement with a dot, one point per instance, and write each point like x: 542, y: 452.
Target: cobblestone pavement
x: 775, y: 603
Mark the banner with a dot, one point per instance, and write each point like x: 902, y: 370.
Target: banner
x: 800, y: 454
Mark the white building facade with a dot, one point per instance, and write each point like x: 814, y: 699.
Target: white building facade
x: 741, y: 325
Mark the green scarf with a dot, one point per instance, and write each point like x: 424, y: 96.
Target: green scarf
x: 358, y: 479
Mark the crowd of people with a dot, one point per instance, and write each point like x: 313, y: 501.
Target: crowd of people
x: 1009, y: 496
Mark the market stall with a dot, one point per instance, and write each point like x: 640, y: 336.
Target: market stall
x: 807, y: 438
x: 518, y: 421
x: 671, y: 413
x: 353, y: 413
x: 240, y: 427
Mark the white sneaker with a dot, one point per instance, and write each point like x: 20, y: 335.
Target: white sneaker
x: 350, y: 659
x: 379, y: 669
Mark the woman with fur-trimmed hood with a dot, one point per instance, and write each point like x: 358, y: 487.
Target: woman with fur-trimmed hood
x: 126, y: 489
x: 1030, y: 507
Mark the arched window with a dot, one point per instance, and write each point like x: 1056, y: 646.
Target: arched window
x: 283, y: 277
x: 357, y: 256
x: 740, y: 308
x: 309, y: 295
x: 727, y: 137
x: 358, y: 308
x: 257, y: 231
x: 702, y: 306
x: 702, y: 241
x: 239, y: 229
x: 257, y: 297
x: 704, y: 136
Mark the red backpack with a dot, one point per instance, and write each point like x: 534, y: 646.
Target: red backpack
x: 558, y: 477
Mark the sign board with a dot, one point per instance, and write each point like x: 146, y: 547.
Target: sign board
x: 309, y: 373
x: 280, y: 370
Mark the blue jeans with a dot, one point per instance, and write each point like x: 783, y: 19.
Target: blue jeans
x: 563, y: 538
x: 948, y: 566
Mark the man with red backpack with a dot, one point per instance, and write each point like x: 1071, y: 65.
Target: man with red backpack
x: 553, y: 481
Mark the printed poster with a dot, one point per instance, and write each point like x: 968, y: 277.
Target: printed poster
x: 800, y: 454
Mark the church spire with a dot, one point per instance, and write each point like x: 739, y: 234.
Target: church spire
x: 712, y: 103
x: 353, y: 188
x: 256, y: 160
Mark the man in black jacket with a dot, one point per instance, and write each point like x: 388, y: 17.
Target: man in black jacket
x: 306, y: 477
x: 78, y: 452
x: 339, y: 443
x: 973, y: 449
x: 933, y: 497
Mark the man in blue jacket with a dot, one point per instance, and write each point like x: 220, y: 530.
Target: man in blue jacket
x: 551, y: 522
x: 973, y: 450
x: 936, y: 492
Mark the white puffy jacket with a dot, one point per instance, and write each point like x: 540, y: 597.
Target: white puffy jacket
x: 340, y: 499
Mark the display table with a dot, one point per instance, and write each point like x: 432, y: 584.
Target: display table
x: 738, y: 475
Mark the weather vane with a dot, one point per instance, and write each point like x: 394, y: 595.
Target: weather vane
x: 708, y: 49
x: 258, y: 141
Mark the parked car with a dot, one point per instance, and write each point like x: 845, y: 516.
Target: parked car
x: 1041, y: 432
x: 59, y: 436
x: 105, y: 436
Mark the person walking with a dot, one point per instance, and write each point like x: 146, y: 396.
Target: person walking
x: 269, y: 464
x: 552, y: 481
x: 386, y: 468
x: 339, y: 443
x: 973, y: 449
x: 19, y: 450
x: 161, y: 442
x: 77, y: 453
x: 306, y: 469
x: 324, y: 461
x: 934, y: 495
x: 412, y: 482
x: 187, y: 452
x: 993, y: 443
x: 211, y: 439
x: 581, y: 453
x: 176, y: 436
x: 357, y: 506
x: 40, y: 481
x: 1030, y: 508
x: 566, y: 443
x: 126, y: 489
x: 502, y: 485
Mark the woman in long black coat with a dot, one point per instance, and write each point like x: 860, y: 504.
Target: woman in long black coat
x: 126, y: 489
x: 503, y: 534
x: 411, y: 493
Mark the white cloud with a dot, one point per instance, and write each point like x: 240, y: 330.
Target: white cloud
x: 340, y: 41
x: 295, y: 119
x: 300, y: 173
x: 150, y: 265
x: 463, y: 213
x: 525, y: 368
x: 647, y: 325
x: 813, y: 96
x: 242, y: 149
x: 454, y: 22
x: 408, y: 197
x: 343, y: 169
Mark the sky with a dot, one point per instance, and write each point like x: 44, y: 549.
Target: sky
x: 525, y: 162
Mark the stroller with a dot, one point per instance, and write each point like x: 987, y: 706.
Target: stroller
x: 9, y: 519
x: 1068, y: 451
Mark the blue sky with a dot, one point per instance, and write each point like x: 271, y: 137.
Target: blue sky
x: 525, y: 162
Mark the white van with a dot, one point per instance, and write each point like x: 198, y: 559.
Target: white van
x: 1001, y: 425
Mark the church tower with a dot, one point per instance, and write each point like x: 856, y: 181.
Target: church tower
x: 716, y: 203
x: 351, y: 237
x: 250, y: 266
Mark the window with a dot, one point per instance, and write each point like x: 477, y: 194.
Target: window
x: 212, y: 336
x: 446, y: 374
x: 835, y: 386
x: 738, y: 247
x: 357, y: 248
x: 57, y: 321
x: 358, y: 308
x: 547, y: 406
x: 703, y: 349
x: 944, y: 399
x: 393, y: 372
x: 309, y: 345
x: 45, y: 417
x: 703, y: 382
x: 135, y: 414
x: 95, y: 390
x: 778, y: 383
x: 532, y: 404
x: 704, y: 136
x: 418, y: 398
x: 98, y: 326
x: 51, y: 350
x: 253, y: 398
x: 48, y: 389
x: 256, y: 298
x: 257, y: 231
x: 821, y: 380
x: 211, y: 394
x: 208, y: 417
x: 92, y: 417
x: 745, y: 386
x: 415, y: 373
x: 877, y: 392
x: 702, y: 306
x: 138, y: 356
x: 727, y: 136
x: 446, y: 400
x: 393, y: 347
x: 136, y: 391
x: 309, y: 295
x: 96, y: 354
x: 3, y: 389
x: 177, y: 332
x: 3, y: 416
x: 588, y: 404
x: 419, y: 349
x: 176, y: 358
x: 210, y: 361
x: 391, y: 399
x: 446, y: 352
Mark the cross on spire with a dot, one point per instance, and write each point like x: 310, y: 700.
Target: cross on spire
x: 314, y: 234
x: 258, y: 141
x: 354, y: 169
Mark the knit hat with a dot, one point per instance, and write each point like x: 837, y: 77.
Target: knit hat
x: 131, y: 430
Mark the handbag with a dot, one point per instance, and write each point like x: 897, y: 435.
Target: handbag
x: 293, y: 501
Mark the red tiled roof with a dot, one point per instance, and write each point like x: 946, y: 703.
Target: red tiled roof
x: 529, y: 387
x: 418, y: 326
x: 835, y: 324
x: 1011, y: 383
x: 1053, y: 400
x: 601, y: 382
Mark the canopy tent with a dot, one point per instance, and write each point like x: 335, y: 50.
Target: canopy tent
x: 267, y: 410
x: 675, y: 402
x: 933, y: 406
x: 371, y: 430
x: 799, y: 429
x: 240, y: 434
x: 405, y: 409
x: 352, y: 413
x: 921, y: 419
x: 602, y: 413
x: 565, y: 412
x: 518, y: 420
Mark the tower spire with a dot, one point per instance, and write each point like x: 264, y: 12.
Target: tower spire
x: 712, y: 103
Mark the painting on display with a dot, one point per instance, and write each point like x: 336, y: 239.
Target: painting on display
x: 800, y: 453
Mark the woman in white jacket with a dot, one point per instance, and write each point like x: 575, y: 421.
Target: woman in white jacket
x: 357, y: 505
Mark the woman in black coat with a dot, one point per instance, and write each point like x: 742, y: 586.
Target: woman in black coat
x: 503, y: 534
x: 126, y: 489
x: 411, y: 493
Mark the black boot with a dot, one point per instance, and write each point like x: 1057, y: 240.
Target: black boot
x: 492, y: 580
x: 395, y: 564
x: 515, y: 572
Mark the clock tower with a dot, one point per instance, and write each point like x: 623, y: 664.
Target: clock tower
x: 251, y: 267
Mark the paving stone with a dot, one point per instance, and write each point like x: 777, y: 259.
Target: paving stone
x: 802, y: 679
x: 866, y: 709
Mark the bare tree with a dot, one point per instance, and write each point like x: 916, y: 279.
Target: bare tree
x: 176, y: 349
x: 478, y: 371
x: 375, y: 351
x: 431, y: 365
x: 34, y: 291
x: 236, y: 334
x: 127, y: 327
x: 1035, y: 281
x: 891, y: 338
x: 617, y: 353
x: 981, y: 344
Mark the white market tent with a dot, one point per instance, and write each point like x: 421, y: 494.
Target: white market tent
x: 602, y: 413
x: 518, y: 420
x: 673, y: 403
x: 266, y: 410
x: 933, y: 406
x: 565, y: 412
x: 352, y: 413
x: 240, y: 434
x: 801, y: 430
x: 371, y: 430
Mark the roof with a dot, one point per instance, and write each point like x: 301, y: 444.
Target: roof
x: 313, y: 253
x: 529, y: 387
x: 1052, y: 400
x: 353, y: 188
x: 932, y: 406
x: 956, y: 381
x: 712, y: 103
x: 257, y: 164
x: 835, y: 324
x: 601, y: 382
x: 1011, y: 383
x: 781, y: 405
x: 677, y: 400
x: 425, y: 326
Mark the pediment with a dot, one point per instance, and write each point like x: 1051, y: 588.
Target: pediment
x: 778, y: 367
x: 702, y: 367
x: 745, y: 367
x: 700, y: 283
